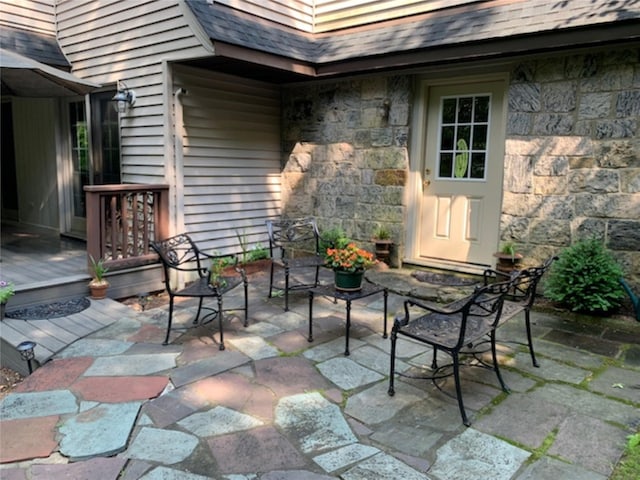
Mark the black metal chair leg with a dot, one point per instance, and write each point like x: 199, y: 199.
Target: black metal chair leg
x: 220, y: 323
x: 456, y: 376
x: 534, y: 361
x: 271, y: 281
x: 392, y: 367
x: 496, y: 366
x: 246, y: 303
x: 166, y: 338
x: 286, y: 288
x: 197, y: 317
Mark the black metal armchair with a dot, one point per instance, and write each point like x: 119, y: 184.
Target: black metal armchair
x: 522, y: 295
x: 294, y: 245
x: 450, y: 330
x: 180, y: 254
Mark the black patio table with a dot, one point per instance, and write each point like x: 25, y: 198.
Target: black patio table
x: 367, y: 290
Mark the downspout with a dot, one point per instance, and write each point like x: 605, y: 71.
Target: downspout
x: 178, y: 146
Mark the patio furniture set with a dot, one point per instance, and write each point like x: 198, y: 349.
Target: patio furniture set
x: 463, y: 329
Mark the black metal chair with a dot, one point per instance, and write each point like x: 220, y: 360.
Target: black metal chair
x: 451, y: 329
x: 180, y: 255
x: 294, y: 245
x: 522, y: 295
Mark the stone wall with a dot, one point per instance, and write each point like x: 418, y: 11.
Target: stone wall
x: 346, y: 155
x: 572, y: 165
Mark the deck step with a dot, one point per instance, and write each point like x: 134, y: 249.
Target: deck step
x: 54, y: 335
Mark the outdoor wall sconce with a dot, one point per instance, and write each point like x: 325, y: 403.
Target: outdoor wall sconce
x: 124, y: 99
x: 27, y: 353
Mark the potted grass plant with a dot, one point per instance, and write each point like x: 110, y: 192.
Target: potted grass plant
x: 98, y: 285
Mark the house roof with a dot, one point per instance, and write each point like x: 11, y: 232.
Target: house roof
x: 36, y: 46
x: 476, y: 30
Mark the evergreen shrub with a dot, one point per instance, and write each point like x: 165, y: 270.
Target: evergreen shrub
x: 586, y: 279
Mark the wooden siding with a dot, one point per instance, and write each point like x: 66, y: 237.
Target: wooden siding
x: 132, y: 42
x: 317, y: 16
x: 336, y: 14
x: 231, y: 157
x: 294, y: 13
x: 34, y: 15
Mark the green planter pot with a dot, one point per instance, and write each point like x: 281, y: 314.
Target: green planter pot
x: 348, y: 281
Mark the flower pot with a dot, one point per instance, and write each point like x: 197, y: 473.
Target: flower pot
x: 98, y: 290
x: 3, y: 307
x: 507, y: 263
x: 383, y: 250
x: 348, y: 281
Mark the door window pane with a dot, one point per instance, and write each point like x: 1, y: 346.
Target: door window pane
x: 463, y: 130
x: 79, y: 156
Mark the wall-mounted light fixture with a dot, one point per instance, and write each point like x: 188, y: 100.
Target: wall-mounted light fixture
x: 124, y: 99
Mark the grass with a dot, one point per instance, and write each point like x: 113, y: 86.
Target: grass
x: 629, y: 466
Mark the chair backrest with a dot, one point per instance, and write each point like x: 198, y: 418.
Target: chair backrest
x: 179, y: 253
x: 525, y: 283
x: 481, y: 313
x: 293, y: 237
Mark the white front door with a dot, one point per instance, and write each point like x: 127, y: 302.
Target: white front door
x: 461, y: 174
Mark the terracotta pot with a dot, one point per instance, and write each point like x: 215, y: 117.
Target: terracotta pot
x: 98, y: 290
x: 383, y: 250
x: 507, y: 263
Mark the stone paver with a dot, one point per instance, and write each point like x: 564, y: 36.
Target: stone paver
x: 100, y: 431
x: 316, y: 423
x: 56, y: 374
x: 102, y: 468
x: 344, y: 457
x: 164, y: 446
x: 589, y: 442
x: 119, y: 389
x: 27, y: 438
x: 382, y: 467
x: 551, y: 468
x: 473, y: 454
x: 37, y: 404
x: 124, y: 365
x: 244, y: 452
x: 218, y: 421
x: 347, y: 374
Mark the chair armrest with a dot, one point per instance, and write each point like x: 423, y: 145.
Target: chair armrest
x: 489, y: 273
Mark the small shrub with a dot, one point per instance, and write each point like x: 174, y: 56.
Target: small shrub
x: 258, y: 252
x: 333, y: 238
x: 586, y: 279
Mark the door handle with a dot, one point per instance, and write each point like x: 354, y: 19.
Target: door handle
x: 426, y: 183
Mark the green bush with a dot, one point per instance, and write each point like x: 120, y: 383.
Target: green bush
x: 586, y: 279
x: 333, y: 238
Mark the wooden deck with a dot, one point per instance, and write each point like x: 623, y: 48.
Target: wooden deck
x: 29, y: 255
x: 54, y: 335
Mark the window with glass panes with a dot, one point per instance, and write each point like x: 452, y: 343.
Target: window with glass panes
x: 464, y: 127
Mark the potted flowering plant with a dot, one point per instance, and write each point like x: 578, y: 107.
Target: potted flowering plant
x: 7, y: 290
x: 349, y: 263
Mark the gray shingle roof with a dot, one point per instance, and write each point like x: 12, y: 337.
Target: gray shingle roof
x: 480, y: 22
x: 39, y: 47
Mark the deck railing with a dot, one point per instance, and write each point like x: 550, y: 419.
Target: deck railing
x: 122, y: 219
